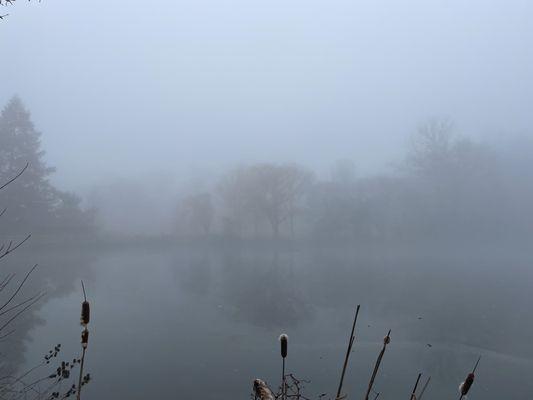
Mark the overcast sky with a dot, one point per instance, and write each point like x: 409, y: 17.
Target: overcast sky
x: 125, y: 87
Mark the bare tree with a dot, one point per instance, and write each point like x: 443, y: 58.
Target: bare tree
x: 196, y: 213
x: 432, y: 147
x: 266, y: 191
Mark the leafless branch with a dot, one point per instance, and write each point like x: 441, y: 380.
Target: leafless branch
x: 11, y: 248
x: 27, y: 164
x: 20, y: 312
x: 18, y: 288
x: 6, y: 281
x: 22, y: 303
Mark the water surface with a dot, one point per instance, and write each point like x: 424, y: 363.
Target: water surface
x: 178, y: 322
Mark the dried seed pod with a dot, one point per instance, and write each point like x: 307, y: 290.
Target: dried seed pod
x: 84, y: 338
x: 284, y: 339
x: 85, y: 313
x: 386, y: 340
x: 262, y: 391
x: 465, y: 386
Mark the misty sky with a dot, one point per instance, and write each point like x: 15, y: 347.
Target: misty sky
x: 121, y: 88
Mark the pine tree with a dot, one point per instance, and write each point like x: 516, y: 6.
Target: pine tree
x: 33, y: 203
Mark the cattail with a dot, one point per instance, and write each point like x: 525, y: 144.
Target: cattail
x: 262, y: 391
x: 85, y: 317
x: 85, y: 308
x: 464, y: 387
x: 85, y: 313
x: 84, y: 338
x: 386, y: 341
x: 284, y: 339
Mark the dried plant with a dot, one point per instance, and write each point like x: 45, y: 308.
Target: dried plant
x: 293, y: 388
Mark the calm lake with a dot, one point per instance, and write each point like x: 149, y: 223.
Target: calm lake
x: 203, y: 322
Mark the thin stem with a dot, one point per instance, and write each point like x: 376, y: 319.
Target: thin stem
x: 19, y: 287
x: 424, y: 388
x: 78, y: 394
x: 83, y: 288
x: 413, y: 393
x: 477, y: 363
x: 378, y: 363
x: 20, y: 172
x: 348, y: 351
x: 283, y: 380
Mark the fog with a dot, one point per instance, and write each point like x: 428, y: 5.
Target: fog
x: 220, y: 172
x: 167, y: 86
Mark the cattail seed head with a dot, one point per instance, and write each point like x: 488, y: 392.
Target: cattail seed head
x: 262, y: 391
x: 85, y: 313
x: 284, y: 339
x: 465, y: 386
x: 84, y: 338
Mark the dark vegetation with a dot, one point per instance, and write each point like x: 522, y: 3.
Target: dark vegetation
x: 32, y: 202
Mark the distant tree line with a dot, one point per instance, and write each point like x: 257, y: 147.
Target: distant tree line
x: 446, y: 187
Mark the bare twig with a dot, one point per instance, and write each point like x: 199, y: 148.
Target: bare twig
x: 11, y: 249
x: 4, y: 336
x: 6, y: 281
x: 18, y: 288
x: 20, y: 312
x: 21, y: 303
x: 27, y: 164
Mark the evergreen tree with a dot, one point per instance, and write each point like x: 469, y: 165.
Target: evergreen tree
x: 32, y: 203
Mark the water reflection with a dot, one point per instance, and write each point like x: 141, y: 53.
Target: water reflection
x: 178, y: 318
x: 264, y: 289
x: 58, y: 274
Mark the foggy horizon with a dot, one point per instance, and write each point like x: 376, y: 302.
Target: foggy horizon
x: 209, y: 84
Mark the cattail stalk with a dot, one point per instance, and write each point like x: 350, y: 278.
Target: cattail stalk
x: 348, y: 352
x: 85, y: 317
x: 386, y: 341
x: 284, y: 341
x: 424, y: 388
x: 413, y: 393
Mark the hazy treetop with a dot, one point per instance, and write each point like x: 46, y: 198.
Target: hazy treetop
x: 169, y: 84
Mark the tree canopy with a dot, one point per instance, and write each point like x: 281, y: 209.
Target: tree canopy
x: 32, y: 203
